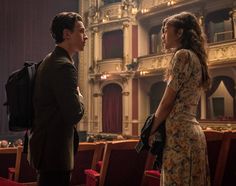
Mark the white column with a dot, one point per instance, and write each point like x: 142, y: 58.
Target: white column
x: 97, y: 121
x: 96, y: 44
x: 126, y: 116
x: 234, y: 22
x: 126, y: 42
x: 203, y: 105
x: 127, y: 106
x: 80, y: 6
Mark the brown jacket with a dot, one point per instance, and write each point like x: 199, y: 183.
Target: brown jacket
x: 57, y: 111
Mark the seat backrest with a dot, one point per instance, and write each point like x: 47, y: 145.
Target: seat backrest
x: 23, y: 171
x: 122, y: 165
x: 7, y: 182
x: 86, y: 158
x: 229, y: 177
x: 7, y: 160
x: 214, y: 144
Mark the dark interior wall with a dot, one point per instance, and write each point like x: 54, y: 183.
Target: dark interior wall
x: 24, y: 35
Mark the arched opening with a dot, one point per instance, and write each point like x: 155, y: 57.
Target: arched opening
x: 220, y: 99
x: 156, y: 93
x: 112, y: 109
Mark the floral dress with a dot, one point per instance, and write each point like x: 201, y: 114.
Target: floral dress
x: 185, y: 160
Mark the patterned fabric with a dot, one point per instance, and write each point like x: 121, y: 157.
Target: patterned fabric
x: 185, y: 159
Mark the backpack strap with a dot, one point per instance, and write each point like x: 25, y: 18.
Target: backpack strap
x: 26, y: 141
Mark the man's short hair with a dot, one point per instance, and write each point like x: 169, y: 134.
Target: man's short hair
x: 63, y: 20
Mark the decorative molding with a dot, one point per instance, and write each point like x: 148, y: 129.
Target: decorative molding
x: 112, y: 11
x: 125, y: 24
x: 157, y: 62
x: 109, y: 65
x: 95, y: 30
x: 222, y: 53
x: 147, y: 4
x: 125, y: 93
x: 97, y: 94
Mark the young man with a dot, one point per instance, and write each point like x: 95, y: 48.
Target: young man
x: 57, y: 104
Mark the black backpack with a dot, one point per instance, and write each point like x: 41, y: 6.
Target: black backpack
x: 19, y: 92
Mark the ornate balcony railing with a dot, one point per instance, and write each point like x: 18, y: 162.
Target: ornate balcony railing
x: 148, y: 4
x: 110, y: 65
x: 219, y: 54
x: 155, y: 62
x: 223, y: 36
x: 111, y: 11
x: 222, y: 53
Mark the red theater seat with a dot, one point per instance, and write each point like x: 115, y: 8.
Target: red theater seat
x: 7, y: 159
x: 121, y: 166
x: 86, y: 158
x: 229, y: 168
x: 23, y: 172
x: 6, y: 182
x: 214, y: 146
x: 152, y: 177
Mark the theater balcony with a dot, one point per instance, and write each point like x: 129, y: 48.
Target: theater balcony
x: 149, y: 10
x: 108, y: 12
x: 110, y: 65
x: 220, y: 54
x: 111, y: 11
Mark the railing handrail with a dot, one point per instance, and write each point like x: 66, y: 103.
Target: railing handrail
x: 222, y: 33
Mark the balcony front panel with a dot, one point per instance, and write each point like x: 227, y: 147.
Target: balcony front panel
x: 219, y: 54
x: 111, y: 12
x: 156, y: 62
x: 147, y: 4
x: 222, y: 53
x: 110, y: 66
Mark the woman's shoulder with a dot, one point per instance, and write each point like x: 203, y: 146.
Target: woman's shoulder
x: 183, y: 53
x: 186, y: 55
x: 182, y: 56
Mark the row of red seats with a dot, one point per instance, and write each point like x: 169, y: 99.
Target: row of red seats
x: 120, y: 166
x: 15, y: 167
x: 117, y: 163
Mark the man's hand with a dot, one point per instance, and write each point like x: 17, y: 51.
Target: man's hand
x: 81, y: 98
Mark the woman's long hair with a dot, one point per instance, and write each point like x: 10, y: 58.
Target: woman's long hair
x: 193, y: 39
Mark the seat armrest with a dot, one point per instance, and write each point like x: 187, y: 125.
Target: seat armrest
x: 92, y: 177
x: 11, y: 173
x: 153, y: 173
x: 98, y: 166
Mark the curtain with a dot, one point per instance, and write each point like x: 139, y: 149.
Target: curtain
x: 112, y: 109
x: 112, y: 44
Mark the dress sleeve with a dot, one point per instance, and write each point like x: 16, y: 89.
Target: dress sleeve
x: 181, y: 69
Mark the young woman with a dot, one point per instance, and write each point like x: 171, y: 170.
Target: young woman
x: 185, y: 159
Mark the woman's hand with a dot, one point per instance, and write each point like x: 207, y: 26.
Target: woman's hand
x: 151, y: 139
